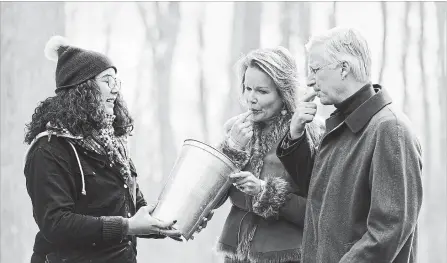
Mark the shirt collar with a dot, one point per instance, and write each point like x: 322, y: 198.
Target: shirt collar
x: 347, y: 106
x: 363, y: 105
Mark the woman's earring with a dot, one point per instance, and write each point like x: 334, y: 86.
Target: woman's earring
x: 284, y: 112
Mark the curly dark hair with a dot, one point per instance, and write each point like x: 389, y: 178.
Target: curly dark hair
x: 78, y: 110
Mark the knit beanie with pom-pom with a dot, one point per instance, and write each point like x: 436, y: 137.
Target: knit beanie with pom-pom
x: 74, y: 65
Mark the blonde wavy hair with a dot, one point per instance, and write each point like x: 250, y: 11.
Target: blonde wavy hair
x: 279, y: 64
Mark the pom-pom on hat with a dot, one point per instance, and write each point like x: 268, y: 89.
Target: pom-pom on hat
x: 74, y: 65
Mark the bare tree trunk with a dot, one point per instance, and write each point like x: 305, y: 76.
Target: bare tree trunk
x: 304, y: 14
x: 168, y: 25
x: 27, y: 77
x: 333, y: 17
x: 435, y: 140
x: 425, y: 97
x: 110, y: 11
x: 405, y: 46
x: 163, y: 36
x: 384, y: 53
x: 441, y: 10
x: 136, y: 102
x: 108, y: 34
x: 245, y: 37
x: 286, y: 11
x: 202, y: 88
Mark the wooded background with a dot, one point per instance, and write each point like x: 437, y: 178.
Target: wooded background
x: 176, y: 62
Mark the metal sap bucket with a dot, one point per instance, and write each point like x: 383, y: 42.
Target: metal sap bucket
x: 198, y: 180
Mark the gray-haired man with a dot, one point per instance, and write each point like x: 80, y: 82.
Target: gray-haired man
x: 365, y: 189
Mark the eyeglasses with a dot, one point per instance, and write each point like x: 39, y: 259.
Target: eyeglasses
x: 112, y: 82
x: 315, y: 70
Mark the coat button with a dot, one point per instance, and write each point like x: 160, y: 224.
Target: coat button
x: 111, y: 165
x: 129, y: 214
x: 130, y: 243
x: 94, y: 244
x: 125, y: 185
x: 94, y: 173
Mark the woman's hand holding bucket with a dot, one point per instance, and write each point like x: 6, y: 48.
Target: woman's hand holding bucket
x: 247, y: 183
x: 142, y: 223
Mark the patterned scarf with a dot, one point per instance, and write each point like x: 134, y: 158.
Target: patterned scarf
x: 104, y: 142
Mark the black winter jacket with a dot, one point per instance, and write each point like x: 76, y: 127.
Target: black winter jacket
x: 75, y: 227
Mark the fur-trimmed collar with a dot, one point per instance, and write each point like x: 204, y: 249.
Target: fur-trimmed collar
x: 264, y: 139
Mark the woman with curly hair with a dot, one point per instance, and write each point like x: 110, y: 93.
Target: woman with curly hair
x: 79, y: 175
x: 265, y: 224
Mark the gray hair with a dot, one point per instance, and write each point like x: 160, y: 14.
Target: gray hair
x: 345, y: 44
x: 280, y: 65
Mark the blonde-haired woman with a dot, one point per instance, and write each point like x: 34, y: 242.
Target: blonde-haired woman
x: 265, y: 223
